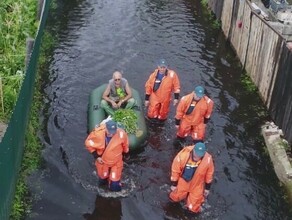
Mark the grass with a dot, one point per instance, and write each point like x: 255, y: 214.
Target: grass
x: 17, y: 23
x: 32, y: 153
x: 215, y: 23
x: 31, y: 159
x: 30, y: 162
x: 204, y: 2
x: 248, y: 84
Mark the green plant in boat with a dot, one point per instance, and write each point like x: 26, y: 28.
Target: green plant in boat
x: 128, y: 119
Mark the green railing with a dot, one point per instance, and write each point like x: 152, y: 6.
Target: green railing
x: 12, y: 145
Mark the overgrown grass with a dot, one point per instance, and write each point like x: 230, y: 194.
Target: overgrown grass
x: 248, y: 84
x: 204, y: 2
x: 31, y: 160
x: 32, y: 153
x: 17, y: 23
x: 215, y: 23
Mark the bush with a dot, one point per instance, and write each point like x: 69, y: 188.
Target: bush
x: 128, y: 119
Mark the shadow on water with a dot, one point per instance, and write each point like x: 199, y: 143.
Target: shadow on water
x: 97, y: 37
x: 105, y: 208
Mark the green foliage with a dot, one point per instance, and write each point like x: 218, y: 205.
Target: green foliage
x: 204, y: 2
x: 11, y: 85
x: 31, y: 158
x: 215, y: 23
x: 48, y: 42
x: 17, y: 22
x: 248, y: 84
x: 19, y: 206
x: 128, y: 118
x: 32, y: 153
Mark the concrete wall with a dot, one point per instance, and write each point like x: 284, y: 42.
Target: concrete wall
x: 259, y: 47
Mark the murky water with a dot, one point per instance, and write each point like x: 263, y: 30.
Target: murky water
x: 98, y: 37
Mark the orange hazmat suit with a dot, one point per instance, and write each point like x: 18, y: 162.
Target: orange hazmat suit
x: 193, y: 190
x: 111, y: 153
x: 191, y: 122
x: 159, y: 93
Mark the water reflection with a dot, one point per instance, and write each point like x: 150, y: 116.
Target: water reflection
x: 105, y: 209
x: 97, y: 37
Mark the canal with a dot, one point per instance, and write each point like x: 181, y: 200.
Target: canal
x: 97, y: 37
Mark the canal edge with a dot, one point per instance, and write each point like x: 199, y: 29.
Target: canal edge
x: 275, y: 145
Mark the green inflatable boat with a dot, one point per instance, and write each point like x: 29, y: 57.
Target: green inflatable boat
x: 96, y: 115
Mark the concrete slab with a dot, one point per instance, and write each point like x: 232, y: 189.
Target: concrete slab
x: 3, y: 128
x: 276, y: 147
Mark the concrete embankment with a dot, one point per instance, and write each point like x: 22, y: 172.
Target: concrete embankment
x: 276, y: 147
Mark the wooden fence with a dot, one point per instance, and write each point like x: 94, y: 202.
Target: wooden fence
x: 264, y: 55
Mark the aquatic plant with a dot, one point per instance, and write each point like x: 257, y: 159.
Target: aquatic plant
x: 215, y: 23
x: 128, y: 119
x: 247, y: 83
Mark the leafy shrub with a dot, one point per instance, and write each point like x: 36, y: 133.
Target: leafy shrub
x: 128, y: 119
x: 17, y: 23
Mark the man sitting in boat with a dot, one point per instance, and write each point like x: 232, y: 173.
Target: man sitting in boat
x: 117, y: 94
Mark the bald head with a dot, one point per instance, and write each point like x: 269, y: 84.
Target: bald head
x: 117, y: 75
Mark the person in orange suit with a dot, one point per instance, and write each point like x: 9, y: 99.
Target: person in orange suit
x: 107, y: 143
x: 191, y: 176
x: 192, y: 114
x: 158, y: 89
